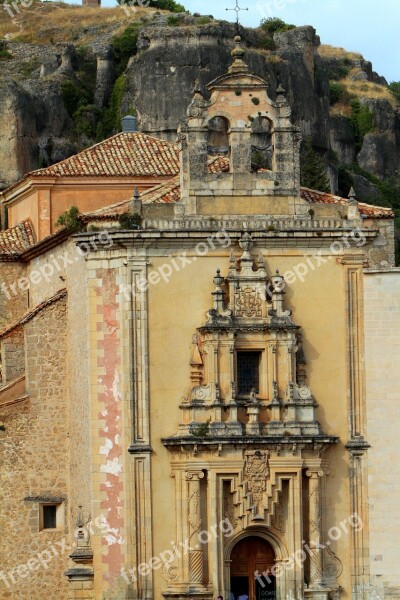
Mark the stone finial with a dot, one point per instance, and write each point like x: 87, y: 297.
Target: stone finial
x: 238, y: 56
x: 198, y: 106
x: 277, y: 312
x: 219, y: 292
x: 352, y: 196
x: 352, y: 210
x: 135, y: 207
x: 246, y: 244
x: 280, y: 94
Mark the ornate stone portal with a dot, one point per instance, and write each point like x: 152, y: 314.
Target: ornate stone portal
x: 249, y: 447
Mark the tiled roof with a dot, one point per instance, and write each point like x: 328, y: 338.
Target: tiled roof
x: 17, y: 239
x: 34, y: 311
x: 124, y: 155
x: 170, y: 191
x: 166, y: 192
x: 366, y: 210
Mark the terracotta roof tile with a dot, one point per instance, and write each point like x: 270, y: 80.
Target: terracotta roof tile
x: 169, y: 191
x: 124, y: 155
x: 17, y: 239
x: 366, y: 210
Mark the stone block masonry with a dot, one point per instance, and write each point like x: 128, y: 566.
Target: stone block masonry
x: 33, y: 455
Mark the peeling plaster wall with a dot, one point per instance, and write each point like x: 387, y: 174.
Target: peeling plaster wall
x: 107, y: 430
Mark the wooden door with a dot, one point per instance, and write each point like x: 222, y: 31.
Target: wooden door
x: 250, y: 556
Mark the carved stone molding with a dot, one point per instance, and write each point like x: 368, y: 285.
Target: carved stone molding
x: 256, y: 472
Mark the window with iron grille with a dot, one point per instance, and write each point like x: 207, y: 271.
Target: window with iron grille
x: 248, y: 372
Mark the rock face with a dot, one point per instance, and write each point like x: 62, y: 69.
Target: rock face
x: 35, y: 127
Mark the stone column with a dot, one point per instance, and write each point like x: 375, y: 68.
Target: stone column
x: 196, y: 568
x: 314, y: 519
x: 357, y: 444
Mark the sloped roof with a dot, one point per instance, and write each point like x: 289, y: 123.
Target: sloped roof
x: 34, y: 311
x: 17, y: 239
x: 126, y: 154
x: 164, y: 193
x: 366, y: 210
x: 170, y: 191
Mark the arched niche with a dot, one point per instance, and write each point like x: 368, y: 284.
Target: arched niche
x: 261, y: 141
x: 218, y: 142
x: 277, y: 550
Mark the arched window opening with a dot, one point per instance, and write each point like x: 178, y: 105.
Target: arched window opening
x: 261, y: 144
x: 218, y: 137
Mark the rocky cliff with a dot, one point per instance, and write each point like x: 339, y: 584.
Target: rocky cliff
x: 58, y: 98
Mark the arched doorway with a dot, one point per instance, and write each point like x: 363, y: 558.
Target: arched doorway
x: 251, y: 556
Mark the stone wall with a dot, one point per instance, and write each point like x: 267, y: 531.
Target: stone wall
x: 34, y: 457
x: 382, y: 355
x: 13, y: 355
x: 12, y: 304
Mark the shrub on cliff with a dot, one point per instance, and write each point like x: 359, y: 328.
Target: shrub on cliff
x: 170, y: 5
x: 74, y: 96
x: 338, y: 93
x: 125, y: 46
x: 394, y: 87
x: 112, y: 116
x: 274, y: 25
x: 362, y: 121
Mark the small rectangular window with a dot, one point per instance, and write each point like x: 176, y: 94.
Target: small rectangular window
x: 248, y: 372
x: 49, y: 516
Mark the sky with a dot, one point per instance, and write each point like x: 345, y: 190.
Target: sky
x: 371, y: 27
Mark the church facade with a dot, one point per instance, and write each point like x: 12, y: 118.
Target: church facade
x: 194, y: 387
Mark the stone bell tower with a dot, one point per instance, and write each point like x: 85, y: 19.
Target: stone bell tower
x: 256, y: 136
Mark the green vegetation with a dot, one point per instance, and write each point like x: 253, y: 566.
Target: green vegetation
x: 27, y: 67
x: 268, y: 28
x: 74, y: 96
x: 4, y: 53
x: 361, y: 120
x: 170, y: 5
x: 274, y: 25
x: 125, y: 45
x: 70, y: 220
x: 394, y: 87
x: 173, y: 20
x: 204, y: 20
x: 200, y: 430
x: 128, y: 221
x: 86, y: 120
x: 339, y: 93
x: 112, y: 115
x: 266, y: 42
x: 313, y: 169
